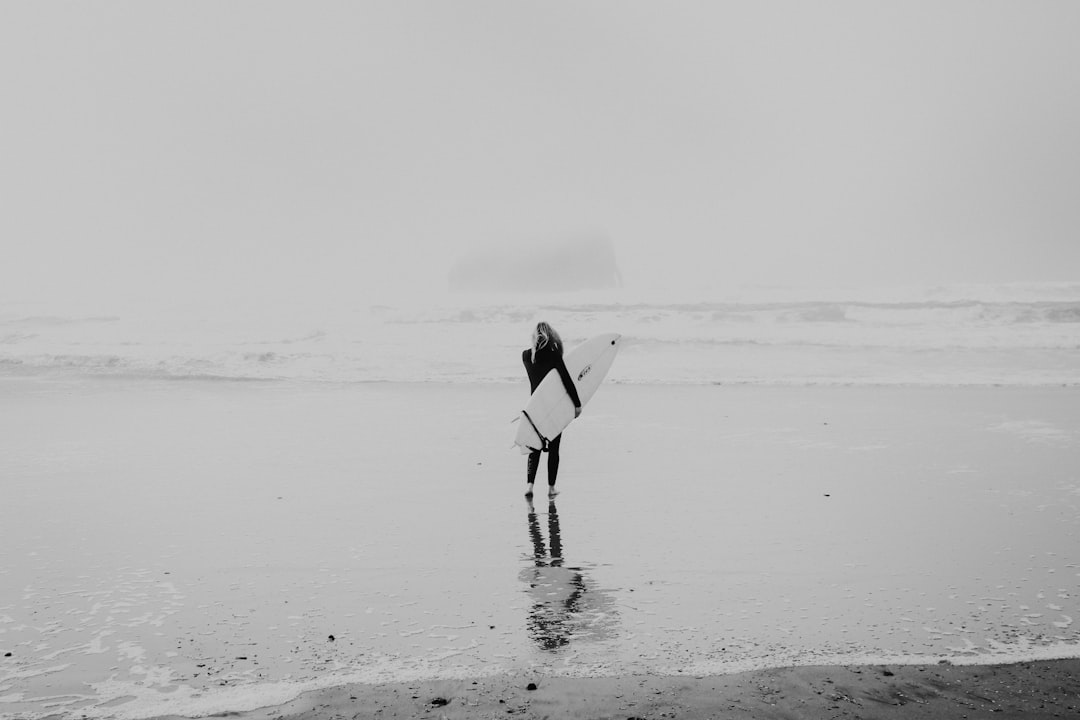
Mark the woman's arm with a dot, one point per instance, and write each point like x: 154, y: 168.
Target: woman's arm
x: 569, y: 385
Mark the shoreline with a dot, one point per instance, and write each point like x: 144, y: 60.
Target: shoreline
x: 1040, y: 689
x: 16, y: 372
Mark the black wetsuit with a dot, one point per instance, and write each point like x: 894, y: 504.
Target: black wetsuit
x: 546, y: 361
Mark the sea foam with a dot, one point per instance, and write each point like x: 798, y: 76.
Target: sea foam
x: 956, y: 335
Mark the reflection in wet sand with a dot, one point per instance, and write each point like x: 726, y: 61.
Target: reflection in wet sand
x: 566, y: 605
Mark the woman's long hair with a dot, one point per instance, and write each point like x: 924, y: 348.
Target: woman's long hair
x: 544, y: 336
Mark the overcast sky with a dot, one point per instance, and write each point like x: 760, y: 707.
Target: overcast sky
x: 185, y: 147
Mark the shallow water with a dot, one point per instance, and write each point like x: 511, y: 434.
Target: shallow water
x: 192, y: 546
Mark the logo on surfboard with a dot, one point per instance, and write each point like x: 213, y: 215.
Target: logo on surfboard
x: 584, y: 372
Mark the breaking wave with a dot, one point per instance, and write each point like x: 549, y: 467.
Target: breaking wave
x: 1006, y: 334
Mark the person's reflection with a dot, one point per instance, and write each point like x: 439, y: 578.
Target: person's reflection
x: 557, y: 591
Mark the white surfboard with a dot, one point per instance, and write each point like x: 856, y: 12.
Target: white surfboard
x: 550, y: 409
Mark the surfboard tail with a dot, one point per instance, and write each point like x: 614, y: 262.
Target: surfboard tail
x: 525, y: 449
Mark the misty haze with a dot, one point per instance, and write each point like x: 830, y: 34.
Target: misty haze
x: 600, y: 359
x: 548, y: 264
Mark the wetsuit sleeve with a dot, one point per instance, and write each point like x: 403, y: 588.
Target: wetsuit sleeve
x: 567, y: 382
x: 530, y: 370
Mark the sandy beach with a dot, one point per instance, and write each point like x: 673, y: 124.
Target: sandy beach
x: 1029, y: 690
x: 192, y: 547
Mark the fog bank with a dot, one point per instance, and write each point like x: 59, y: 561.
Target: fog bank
x: 273, y: 150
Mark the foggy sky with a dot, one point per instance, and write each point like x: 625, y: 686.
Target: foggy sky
x: 152, y: 149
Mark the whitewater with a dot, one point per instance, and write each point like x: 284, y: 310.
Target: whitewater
x: 1007, y: 334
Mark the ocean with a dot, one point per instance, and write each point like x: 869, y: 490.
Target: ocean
x: 212, y: 506
x: 1012, y: 334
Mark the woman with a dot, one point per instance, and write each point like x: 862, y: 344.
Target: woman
x: 544, y: 356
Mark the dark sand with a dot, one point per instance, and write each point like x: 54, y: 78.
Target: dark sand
x: 1046, y: 689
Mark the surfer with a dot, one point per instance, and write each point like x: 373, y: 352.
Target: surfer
x: 545, y: 355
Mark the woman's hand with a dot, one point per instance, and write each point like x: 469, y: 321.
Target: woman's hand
x: 577, y: 411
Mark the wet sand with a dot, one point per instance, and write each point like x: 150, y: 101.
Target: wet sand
x: 198, y: 547
x: 947, y: 692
